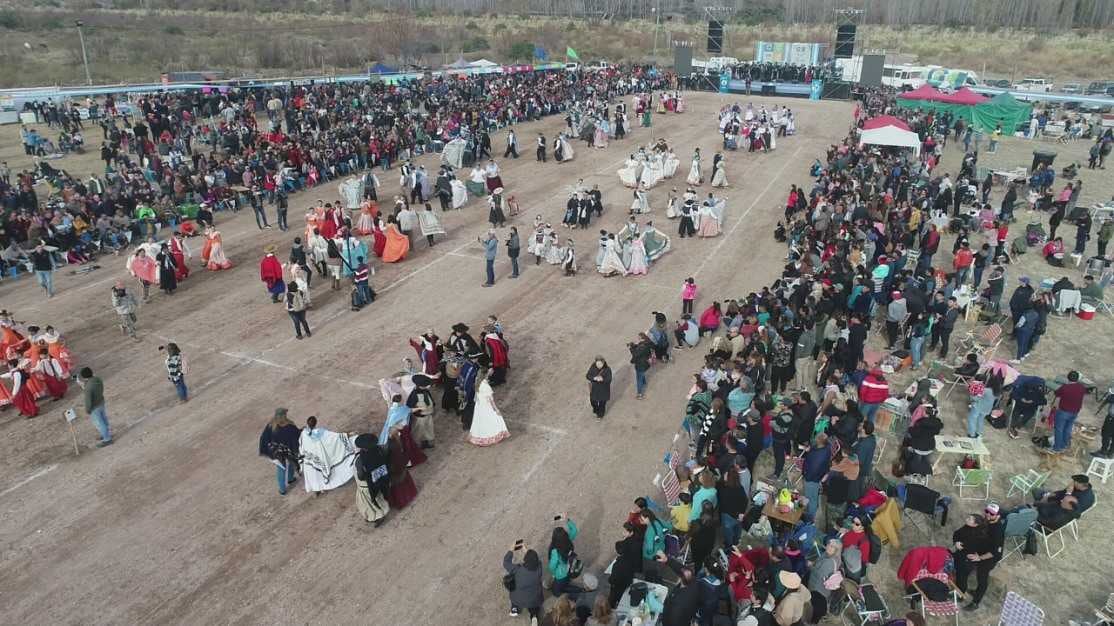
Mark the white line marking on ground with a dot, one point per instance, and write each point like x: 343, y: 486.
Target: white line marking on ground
x: 44, y: 471
x: 535, y: 426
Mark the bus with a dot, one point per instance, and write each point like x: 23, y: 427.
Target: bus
x: 904, y: 77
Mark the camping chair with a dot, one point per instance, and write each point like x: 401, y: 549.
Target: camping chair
x: 1048, y: 535
x: 920, y: 500
x: 1018, y: 526
x: 1017, y: 611
x: 946, y: 607
x: 1073, y: 525
x: 985, y: 343
x: 1027, y: 482
x: 864, y: 603
x: 1106, y: 613
x: 977, y: 479
x: 796, y: 471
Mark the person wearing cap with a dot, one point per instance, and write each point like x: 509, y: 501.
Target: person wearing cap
x: 270, y: 272
x: 795, y: 604
x: 896, y: 312
x: 125, y: 305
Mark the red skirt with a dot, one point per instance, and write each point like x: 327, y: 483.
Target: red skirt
x: 182, y: 272
x: 25, y: 402
x: 56, y: 387
x: 402, y: 493
x: 380, y: 242
x: 413, y: 451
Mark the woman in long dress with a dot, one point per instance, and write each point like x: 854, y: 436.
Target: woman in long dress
x: 554, y: 255
x: 695, y: 178
x: 217, y: 260
x: 567, y: 153
x: 671, y: 209
x: 168, y: 270
x: 145, y: 270
x: 602, y: 131
x: 488, y: 427
x: 719, y: 177
x: 495, y: 215
x: 612, y: 262
x: 373, y: 480
x: 328, y: 458
x: 491, y: 174
x: 460, y: 193
x: 709, y: 221
x: 631, y: 172
x: 402, y: 488
x: 638, y: 264
x: 640, y: 204
x: 653, y: 171
x: 365, y: 224
x: 670, y: 165
x: 397, y: 245
x: 477, y: 182
x: 181, y: 252
x: 379, y: 238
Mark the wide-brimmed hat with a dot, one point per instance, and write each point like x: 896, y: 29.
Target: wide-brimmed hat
x: 498, y: 190
x: 270, y: 248
x: 460, y: 327
x: 789, y: 580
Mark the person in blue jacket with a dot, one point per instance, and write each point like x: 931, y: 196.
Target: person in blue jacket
x: 561, y: 554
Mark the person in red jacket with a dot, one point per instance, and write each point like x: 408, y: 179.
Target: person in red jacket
x: 853, y: 533
x: 962, y: 262
x: 873, y: 391
x: 270, y: 272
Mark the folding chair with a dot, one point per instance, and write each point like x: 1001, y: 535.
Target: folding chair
x: 1073, y: 525
x: 985, y: 343
x: 864, y: 603
x: 1047, y: 535
x: 952, y: 381
x: 1017, y: 611
x: 921, y: 500
x: 977, y: 479
x: 1018, y: 525
x: 937, y: 608
x: 795, y: 473
x: 1027, y: 482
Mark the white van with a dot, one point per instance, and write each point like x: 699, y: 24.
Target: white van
x: 904, y: 76
x: 717, y: 64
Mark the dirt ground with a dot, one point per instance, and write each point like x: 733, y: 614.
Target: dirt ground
x: 180, y: 522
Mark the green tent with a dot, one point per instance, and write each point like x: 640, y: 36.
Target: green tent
x: 1002, y: 108
x: 958, y: 111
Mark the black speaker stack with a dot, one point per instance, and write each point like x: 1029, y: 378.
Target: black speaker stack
x: 715, y: 37
x: 845, y: 41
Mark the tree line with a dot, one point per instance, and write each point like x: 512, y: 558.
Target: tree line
x: 1046, y: 15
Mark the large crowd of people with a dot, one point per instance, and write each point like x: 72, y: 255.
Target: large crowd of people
x: 788, y: 369
x: 792, y: 380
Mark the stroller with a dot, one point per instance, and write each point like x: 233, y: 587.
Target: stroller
x: 1034, y: 233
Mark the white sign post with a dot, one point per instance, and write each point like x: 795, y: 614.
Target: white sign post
x: 71, y: 415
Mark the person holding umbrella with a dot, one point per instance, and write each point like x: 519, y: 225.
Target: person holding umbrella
x: 599, y: 379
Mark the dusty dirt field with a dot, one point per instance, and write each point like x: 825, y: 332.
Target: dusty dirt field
x: 180, y: 520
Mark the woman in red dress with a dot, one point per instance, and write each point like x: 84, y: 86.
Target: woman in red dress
x: 48, y: 372
x: 331, y: 224
x: 180, y: 252
x: 380, y: 238
x: 22, y: 396
x: 403, y: 490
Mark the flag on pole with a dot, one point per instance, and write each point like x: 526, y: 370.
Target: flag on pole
x: 540, y: 53
x: 570, y: 53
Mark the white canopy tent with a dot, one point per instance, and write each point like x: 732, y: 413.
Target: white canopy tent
x: 891, y: 136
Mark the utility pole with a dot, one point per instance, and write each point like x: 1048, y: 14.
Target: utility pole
x: 657, y: 24
x: 84, y: 55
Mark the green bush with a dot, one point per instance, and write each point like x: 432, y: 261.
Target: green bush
x: 521, y: 51
x: 475, y: 44
x: 173, y: 29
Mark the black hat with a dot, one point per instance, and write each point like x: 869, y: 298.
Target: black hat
x: 460, y: 327
x: 365, y: 442
x: 421, y: 380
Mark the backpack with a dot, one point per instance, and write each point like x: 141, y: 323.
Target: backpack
x: 1031, y: 548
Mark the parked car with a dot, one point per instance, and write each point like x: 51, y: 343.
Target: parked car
x: 1071, y: 88
x: 572, y: 67
x: 1034, y: 84
x: 1098, y: 87
x: 1000, y: 83
x: 596, y: 66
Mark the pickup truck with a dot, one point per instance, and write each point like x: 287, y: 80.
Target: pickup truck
x: 1071, y: 88
x: 1034, y: 84
x: 1098, y: 87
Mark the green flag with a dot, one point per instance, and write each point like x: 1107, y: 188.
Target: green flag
x: 570, y: 53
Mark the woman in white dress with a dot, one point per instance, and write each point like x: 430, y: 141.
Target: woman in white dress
x: 612, y: 262
x: 710, y: 218
x: 631, y: 172
x: 790, y: 124
x: 554, y: 254
x: 719, y: 177
x: 671, y: 209
x: 654, y: 171
x: 640, y: 204
x: 695, y: 178
x: 477, y: 182
x: 638, y: 266
x: 460, y: 193
x: 328, y: 458
x: 669, y: 168
x: 567, y: 153
x: 488, y: 426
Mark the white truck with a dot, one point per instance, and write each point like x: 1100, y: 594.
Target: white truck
x: 1034, y: 84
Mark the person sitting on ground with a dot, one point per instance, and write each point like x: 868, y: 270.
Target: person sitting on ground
x: 970, y: 366
x: 1053, y: 252
x: 686, y: 333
